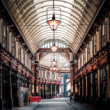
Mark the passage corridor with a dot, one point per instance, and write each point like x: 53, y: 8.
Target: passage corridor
x: 55, y: 104
x: 60, y: 104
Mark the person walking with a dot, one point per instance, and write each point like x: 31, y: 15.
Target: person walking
x: 70, y: 97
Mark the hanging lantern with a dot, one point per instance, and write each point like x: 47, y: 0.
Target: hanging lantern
x: 54, y: 68
x: 53, y: 23
x: 54, y: 48
x: 54, y: 63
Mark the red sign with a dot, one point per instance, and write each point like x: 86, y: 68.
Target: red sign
x: 104, y: 60
x: 35, y: 99
x: 95, y: 66
x: 89, y: 69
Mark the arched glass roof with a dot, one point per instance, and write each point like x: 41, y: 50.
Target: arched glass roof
x: 50, y: 42
x: 30, y: 15
x: 62, y: 61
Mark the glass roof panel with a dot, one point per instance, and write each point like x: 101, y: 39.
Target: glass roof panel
x: 46, y: 60
x: 32, y: 19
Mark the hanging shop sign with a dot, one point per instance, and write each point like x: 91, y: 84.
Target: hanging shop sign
x: 103, y: 61
x: 95, y: 66
x: 89, y: 69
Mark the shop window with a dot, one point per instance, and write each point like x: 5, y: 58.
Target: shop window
x: 103, y: 81
x: 95, y: 44
x: 88, y: 85
x: 103, y: 74
x: 95, y: 84
x: 4, y: 43
x: 103, y: 36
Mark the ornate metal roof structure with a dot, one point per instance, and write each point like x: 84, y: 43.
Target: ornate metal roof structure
x: 30, y: 15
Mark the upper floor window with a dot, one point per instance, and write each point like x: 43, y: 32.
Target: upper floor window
x: 53, y: 75
x: 19, y: 51
x: 84, y: 56
x: 4, y: 43
x: 13, y: 44
x: 103, y: 34
x: 89, y: 51
x: 23, y: 56
x: 25, y: 59
x: 95, y: 44
x: 79, y: 63
x: 81, y: 60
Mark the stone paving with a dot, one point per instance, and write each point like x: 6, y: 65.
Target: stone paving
x: 55, y: 104
x: 31, y: 106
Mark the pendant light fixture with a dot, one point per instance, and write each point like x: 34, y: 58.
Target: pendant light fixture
x: 53, y: 22
x: 54, y: 48
x: 54, y: 68
x: 54, y: 62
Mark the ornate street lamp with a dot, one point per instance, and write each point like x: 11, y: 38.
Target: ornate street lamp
x: 53, y: 22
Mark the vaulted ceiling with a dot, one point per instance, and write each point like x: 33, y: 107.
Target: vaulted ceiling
x: 30, y: 16
x: 62, y: 61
